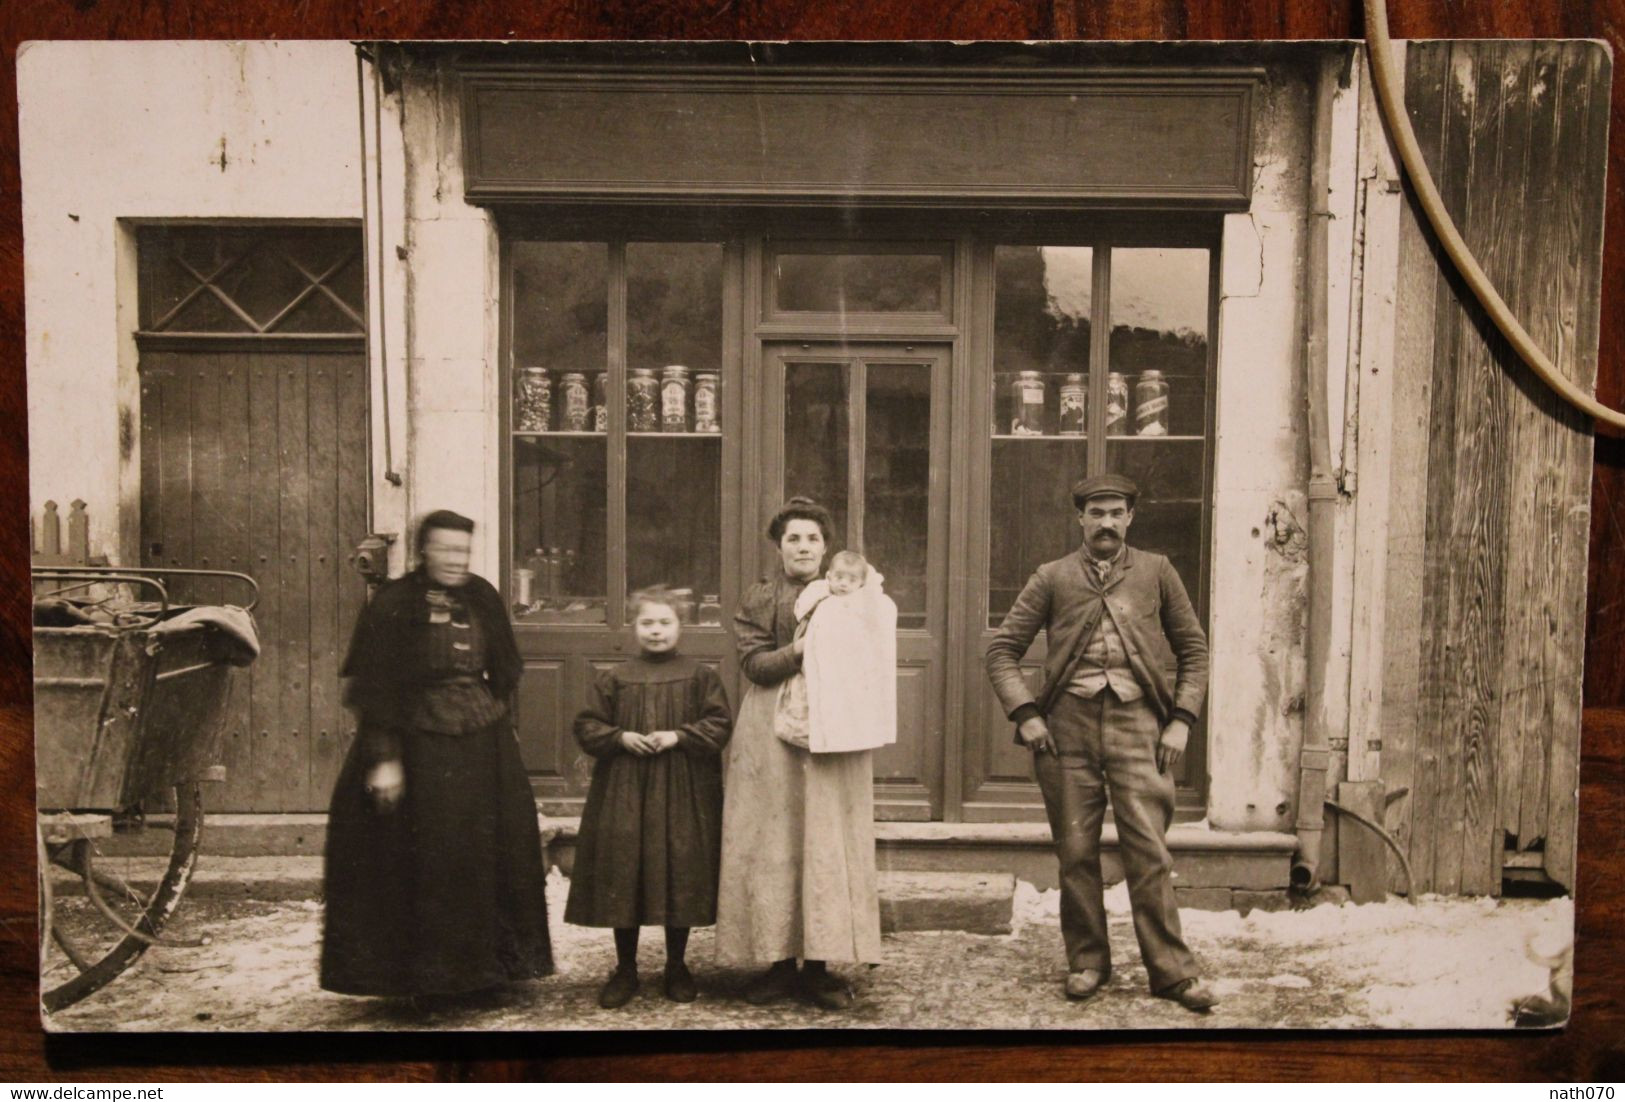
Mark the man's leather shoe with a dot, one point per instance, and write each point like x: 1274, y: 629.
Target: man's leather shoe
x: 1192, y: 994
x: 1085, y: 984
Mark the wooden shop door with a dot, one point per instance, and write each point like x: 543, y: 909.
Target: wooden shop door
x: 864, y: 430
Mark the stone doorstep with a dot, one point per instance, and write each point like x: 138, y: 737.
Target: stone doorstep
x: 1203, y: 858
x: 977, y: 903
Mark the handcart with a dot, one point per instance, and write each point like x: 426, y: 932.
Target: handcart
x: 130, y: 703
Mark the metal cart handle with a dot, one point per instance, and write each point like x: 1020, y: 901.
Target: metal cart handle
x: 149, y: 576
x: 89, y: 576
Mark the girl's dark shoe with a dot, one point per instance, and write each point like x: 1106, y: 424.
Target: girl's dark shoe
x: 778, y: 982
x: 680, y: 983
x: 619, y: 989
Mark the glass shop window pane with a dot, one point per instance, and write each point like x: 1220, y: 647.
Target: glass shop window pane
x: 1159, y: 348
x: 559, y: 490
x: 1041, y: 331
x: 674, y: 469
x: 1159, y: 334
x: 560, y: 313
x: 897, y: 483
x: 815, y: 439
x: 859, y: 283
x: 674, y: 521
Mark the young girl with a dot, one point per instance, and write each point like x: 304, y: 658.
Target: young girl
x: 651, y: 830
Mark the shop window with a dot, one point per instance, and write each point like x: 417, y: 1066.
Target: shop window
x: 1042, y: 326
x: 1159, y: 351
x: 674, y: 468
x: 1071, y: 397
x: 615, y: 413
x: 560, y: 460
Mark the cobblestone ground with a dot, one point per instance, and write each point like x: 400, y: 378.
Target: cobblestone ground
x: 1442, y: 963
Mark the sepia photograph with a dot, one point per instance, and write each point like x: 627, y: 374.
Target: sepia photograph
x: 807, y: 536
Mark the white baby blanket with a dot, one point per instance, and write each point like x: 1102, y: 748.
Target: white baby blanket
x: 851, y: 667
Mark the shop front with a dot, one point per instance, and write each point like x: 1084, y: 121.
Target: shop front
x: 930, y: 296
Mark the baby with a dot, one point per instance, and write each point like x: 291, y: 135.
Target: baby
x: 848, y: 571
x: 850, y: 661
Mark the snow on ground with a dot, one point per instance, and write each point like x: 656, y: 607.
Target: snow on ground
x: 1443, y: 962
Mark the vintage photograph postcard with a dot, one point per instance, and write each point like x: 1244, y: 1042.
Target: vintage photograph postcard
x: 803, y: 536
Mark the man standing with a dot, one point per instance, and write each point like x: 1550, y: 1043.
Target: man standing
x: 1123, y: 682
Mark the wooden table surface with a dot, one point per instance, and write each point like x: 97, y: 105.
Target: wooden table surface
x: 1590, y: 1050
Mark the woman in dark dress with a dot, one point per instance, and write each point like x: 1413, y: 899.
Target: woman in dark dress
x: 434, y: 877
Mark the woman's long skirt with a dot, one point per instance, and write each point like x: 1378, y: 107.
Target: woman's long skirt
x: 798, y: 848
x: 446, y: 893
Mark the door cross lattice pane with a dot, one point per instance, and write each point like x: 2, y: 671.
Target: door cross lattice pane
x: 251, y: 281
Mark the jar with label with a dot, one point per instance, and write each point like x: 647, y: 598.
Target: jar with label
x: 1027, y: 416
x: 706, y: 415
x: 643, y: 401
x: 674, y: 399
x: 1151, y: 404
x: 710, y: 609
x: 600, y: 401
x: 532, y: 400
x: 1074, y: 404
x: 576, y: 407
x: 1116, y: 404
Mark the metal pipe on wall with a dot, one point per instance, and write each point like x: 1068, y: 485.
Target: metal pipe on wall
x: 1314, y: 758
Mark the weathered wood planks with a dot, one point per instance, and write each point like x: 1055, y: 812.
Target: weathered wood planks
x: 1513, y: 132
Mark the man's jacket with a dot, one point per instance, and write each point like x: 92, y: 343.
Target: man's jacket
x: 1166, y: 646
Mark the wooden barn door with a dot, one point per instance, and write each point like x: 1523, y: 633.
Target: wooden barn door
x: 1490, y: 518
x: 254, y: 459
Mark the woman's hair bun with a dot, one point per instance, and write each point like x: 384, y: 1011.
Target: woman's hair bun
x: 800, y: 499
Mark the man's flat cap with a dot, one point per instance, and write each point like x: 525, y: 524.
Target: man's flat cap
x: 1118, y: 485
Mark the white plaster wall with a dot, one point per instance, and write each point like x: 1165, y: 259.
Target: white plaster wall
x: 151, y: 130
x: 453, y: 288
x: 1256, y: 694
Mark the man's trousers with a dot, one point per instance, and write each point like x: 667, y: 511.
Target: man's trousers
x: 1106, y: 745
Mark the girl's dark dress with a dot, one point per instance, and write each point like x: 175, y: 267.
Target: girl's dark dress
x: 651, y: 830
x: 443, y: 894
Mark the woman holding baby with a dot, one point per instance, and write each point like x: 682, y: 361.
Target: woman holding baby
x: 798, y: 845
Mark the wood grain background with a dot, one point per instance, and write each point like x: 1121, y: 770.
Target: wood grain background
x: 1591, y: 1049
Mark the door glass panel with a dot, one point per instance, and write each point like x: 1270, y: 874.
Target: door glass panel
x: 816, y: 438
x: 674, y: 476
x: 859, y: 283
x: 1159, y: 346
x: 560, y: 474
x: 897, y: 482
x: 1041, y: 330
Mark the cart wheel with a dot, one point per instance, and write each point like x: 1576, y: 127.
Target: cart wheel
x: 154, y: 912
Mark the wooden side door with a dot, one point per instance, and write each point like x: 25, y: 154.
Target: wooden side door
x: 253, y: 436
x: 864, y: 430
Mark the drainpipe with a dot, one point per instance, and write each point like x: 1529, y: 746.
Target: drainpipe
x: 1315, y: 757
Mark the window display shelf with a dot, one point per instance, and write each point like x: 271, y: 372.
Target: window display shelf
x: 676, y: 435
x: 556, y: 432
x: 1139, y: 439
x: 1077, y: 437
